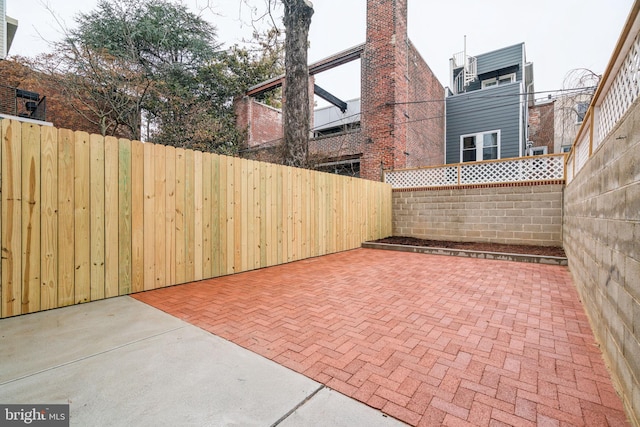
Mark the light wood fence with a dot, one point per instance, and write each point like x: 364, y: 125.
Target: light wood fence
x: 86, y: 217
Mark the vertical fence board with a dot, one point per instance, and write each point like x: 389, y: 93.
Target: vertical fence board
x: 279, y: 219
x: 159, y: 213
x: 170, y: 215
x: 207, y: 256
x: 189, y: 216
x: 262, y: 216
x: 11, y: 217
x: 295, y: 214
x: 149, y: 188
x: 124, y: 219
x: 236, y: 232
x: 49, y: 218
x: 30, y: 218
x: 82, y: 218
x: 246, y: 227
x: 231, y: 218
x: 271, y: 195
x: 181, y: 272
x: 111, y: 216
x: 320, y: 215
x: 197, y: 215
x: 215, y: 215
x: 65, y: 218
x: 226, y: 192
x: 97, y: 207
x: 137, y: 216
x: 286, y: 228
x: 307, y: 194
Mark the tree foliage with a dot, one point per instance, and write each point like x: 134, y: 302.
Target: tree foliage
x: 153, y: 69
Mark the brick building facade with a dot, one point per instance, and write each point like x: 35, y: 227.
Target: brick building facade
x: 541, y: 125
x: 395, y: 130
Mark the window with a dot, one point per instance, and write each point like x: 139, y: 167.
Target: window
x: 500, y: 80
x: 480, y: 146
x: 537, y: 151
x: 581, y: 110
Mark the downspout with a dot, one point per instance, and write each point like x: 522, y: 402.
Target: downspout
x: 526, y: 109
x: 444, y: 160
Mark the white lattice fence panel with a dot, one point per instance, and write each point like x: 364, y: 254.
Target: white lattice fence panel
x: 517, y: 170
x: 582, y: 152
x: 622, y: 93
x: 542, y: 168
x: 492, y: 172
x: 536, y: 168
x: 429, y: 177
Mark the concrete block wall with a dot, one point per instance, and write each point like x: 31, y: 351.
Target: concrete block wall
x: 602, y: 241
x: 526, y: 215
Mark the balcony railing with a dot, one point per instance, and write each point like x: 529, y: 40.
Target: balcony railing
x: 22, y: 103
x: 515, y: 170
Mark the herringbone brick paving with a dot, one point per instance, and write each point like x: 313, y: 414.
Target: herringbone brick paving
x: 430, y: 340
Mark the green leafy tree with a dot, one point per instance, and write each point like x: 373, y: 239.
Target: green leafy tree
x: 152, y: 68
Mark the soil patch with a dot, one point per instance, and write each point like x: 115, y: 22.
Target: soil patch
x: 473, y: 246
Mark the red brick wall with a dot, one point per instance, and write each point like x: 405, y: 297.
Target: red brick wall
x: 385, y: 88
x: 541, y: 126
x: 263, y: 123
x: 425, y: 129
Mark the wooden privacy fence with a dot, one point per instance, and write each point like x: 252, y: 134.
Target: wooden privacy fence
x: 86, y: 217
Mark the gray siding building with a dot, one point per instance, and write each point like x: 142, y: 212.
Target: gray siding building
x: 486, y: 107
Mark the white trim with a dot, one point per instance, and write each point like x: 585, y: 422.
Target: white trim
x: 479, y: 144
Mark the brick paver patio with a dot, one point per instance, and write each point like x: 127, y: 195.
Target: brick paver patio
x: 430, y: 340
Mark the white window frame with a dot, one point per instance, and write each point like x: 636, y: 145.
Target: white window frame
x: 495, y: 81
x: 479, y: 144
x: 538, y: 151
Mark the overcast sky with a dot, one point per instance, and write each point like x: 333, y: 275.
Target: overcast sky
x: 559, y: 35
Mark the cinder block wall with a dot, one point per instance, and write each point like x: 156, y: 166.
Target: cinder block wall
x: 529, y: 215
x: 602, y: 241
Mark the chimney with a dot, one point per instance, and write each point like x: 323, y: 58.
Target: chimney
x: 385, y: 88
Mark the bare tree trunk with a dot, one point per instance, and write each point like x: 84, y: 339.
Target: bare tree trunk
x: 297, y: 19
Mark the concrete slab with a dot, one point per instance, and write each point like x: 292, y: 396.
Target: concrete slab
x: 51, y: 338
x: 120, y: 362
x: 329, y: 408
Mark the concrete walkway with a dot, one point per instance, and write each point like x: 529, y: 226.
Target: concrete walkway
x: 427, y: 339
x: 120, y: 362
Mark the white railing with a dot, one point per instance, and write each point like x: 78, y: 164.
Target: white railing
x: 520, y: 169
x: 467, y: 75
x: 617, y: 91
